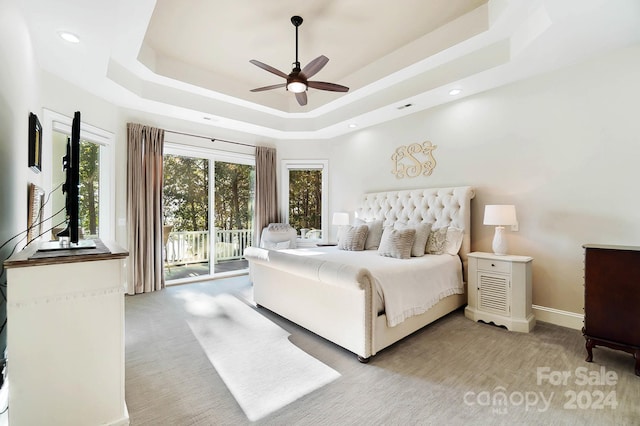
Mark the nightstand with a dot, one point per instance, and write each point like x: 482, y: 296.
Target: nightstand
x: 499, y: 291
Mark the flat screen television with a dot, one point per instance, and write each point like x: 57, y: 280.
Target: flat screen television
x: 71, y: 165
x: 69, y: 237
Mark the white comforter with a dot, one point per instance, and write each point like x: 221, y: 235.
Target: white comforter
x: 406, y: 287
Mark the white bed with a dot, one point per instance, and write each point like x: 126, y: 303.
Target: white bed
x: 360, y: 300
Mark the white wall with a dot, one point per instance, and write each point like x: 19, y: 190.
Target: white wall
x: 19, y: 95
x: 562, y: 147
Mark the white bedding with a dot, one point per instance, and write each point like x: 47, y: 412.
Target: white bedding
x: 405, y: 287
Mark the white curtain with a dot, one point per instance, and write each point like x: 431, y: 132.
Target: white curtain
x: 144, y: 208
x: 266, y: 209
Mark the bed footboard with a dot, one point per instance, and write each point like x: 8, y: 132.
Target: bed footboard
x: 330, y: 299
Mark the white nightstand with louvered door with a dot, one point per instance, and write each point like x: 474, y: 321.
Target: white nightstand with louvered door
x: 499, y: 291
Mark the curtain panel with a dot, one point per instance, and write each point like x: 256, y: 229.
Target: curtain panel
x: 144, y: 208
x: 266, y: 210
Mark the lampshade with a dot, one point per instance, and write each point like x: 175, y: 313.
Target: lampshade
x: 500, y: 215
x: 340, y: 218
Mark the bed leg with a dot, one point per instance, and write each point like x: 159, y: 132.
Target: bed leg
x: 363, y: 359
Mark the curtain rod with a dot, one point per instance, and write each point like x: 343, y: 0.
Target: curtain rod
x: 211, y: 139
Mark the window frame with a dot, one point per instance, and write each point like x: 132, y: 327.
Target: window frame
x: 56, y: 122
x: 285, y: 167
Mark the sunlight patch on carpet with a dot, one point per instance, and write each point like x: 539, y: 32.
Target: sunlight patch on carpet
x: 263, y: 370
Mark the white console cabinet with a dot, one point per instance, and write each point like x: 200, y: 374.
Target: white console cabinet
x: 65, y: 338
x: 499, y: 291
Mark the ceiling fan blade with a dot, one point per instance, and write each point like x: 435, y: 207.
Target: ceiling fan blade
x: 332, y: 87
x: 314, y: 66
x: 269, y: 68
x: 302, y: 98
x: 273, y: 86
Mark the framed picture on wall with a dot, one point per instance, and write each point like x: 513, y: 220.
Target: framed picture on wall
x: 35, y: 143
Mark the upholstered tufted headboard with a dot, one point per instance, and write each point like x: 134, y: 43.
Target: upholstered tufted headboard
x: 438, y: 206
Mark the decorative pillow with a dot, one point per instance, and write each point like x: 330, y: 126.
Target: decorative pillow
x: 453, y: 240
x: 397, y: 242
x: 352, y: 238
x: 437, y: 240
x: 374, y: 235
x: 422, y: 235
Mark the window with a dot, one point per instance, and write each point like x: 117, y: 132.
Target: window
x: 304, y: 197
x: 97, y: 178
x: 89, y: 188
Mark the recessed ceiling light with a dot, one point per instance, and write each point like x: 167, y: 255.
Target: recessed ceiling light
x: 454, y: 92
x: 352, y: 125
x: 70, y: 37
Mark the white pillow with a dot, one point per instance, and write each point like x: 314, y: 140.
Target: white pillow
x: 374, y: 235
x: 422, y: 235
x: 396, y: 242
x: 453, y: 240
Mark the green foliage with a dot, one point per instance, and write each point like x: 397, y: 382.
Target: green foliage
x: 186, y: 194
x: 234, y: 195
x: 305, y: 199
x: 89, y: 188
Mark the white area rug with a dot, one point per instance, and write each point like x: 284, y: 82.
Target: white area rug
x: 261, y: 368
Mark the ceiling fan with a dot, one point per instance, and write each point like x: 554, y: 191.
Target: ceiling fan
x: 297, y: 80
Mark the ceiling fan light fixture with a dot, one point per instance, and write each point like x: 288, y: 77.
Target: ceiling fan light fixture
x: 297, y: 80
x: 296, y: 86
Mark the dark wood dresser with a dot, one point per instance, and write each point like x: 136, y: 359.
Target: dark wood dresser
x: 612, y: 299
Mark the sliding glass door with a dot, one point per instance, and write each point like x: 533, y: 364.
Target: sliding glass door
x: 207, y: 213
x: 185, y: 194
x: 233, y: 219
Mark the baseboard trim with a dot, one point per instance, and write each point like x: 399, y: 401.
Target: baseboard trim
x: 558, y: 317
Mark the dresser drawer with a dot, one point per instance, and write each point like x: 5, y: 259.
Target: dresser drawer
x: 494, y: 265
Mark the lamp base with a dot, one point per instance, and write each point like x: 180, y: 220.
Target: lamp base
x: 499, y: 242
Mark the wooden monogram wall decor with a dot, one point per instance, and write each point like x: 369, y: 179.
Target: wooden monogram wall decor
x: 414, y: 160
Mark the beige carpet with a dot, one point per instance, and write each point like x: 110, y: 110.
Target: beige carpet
x: 453, y: 372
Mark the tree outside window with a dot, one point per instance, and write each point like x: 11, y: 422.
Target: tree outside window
x: 305, y: 199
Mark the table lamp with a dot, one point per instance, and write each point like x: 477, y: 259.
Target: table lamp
x: 500, y: 215
x: 340, y: 219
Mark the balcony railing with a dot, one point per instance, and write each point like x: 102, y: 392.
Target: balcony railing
x: 188, y: 247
